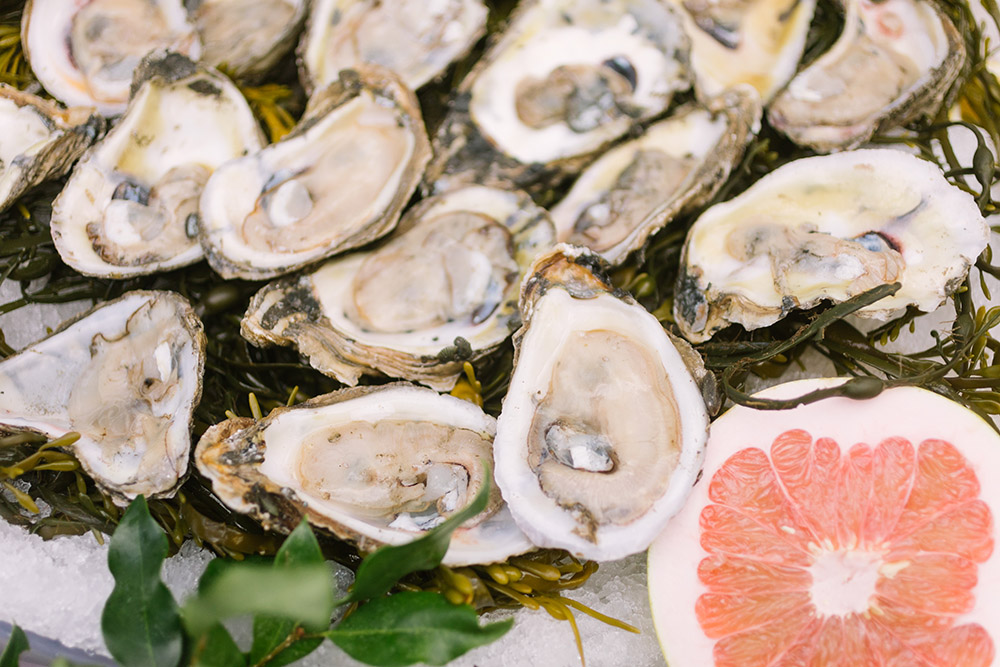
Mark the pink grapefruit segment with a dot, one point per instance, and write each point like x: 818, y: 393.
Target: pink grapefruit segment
x: 913, y: 520
x: 824, y: 551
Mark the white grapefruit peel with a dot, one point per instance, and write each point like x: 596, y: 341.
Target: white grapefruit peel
x: 911, y: 413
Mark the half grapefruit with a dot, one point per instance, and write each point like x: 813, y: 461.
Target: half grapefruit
x: 842, y: 532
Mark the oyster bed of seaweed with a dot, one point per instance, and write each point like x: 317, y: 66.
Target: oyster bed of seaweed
x: 963, y: 364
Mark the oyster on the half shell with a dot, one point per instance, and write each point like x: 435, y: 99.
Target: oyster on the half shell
x: 248, y: 37
x: 84, y: 51
x: 39, y: 140
x: 339, y: 180
x: 374, y: 465
x: 603, y: 427
x: 126, y: 376
x: 756, y: 42
x: 636, y: 188
x: 130, y: 206
x: 828, y: 228
x: 895, y: 61
x: 565, y: 79
x: 414, y: 38
x: 441, y: 290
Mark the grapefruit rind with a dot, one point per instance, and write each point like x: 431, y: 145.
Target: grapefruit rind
x: 908, y: 413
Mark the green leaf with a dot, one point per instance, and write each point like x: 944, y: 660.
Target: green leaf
x: 297, y: 649
x: 216, y: 648
x: 16, y: 645
x: 269, y: 632
x: 407, y: 628
x: 303, y: 594
x: 385, y: 566
x: 140, y: 622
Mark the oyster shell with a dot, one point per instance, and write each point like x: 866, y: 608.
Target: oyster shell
x: 603, y: 428
x: 374, y: 465
x: 633, y: 190
x: 828, y: 227
x: 894, y: 61
x: 130, y: 207
x: 39, y: 140
x: 757, y: 42
x: 127, y: 377
x: 84, y: 51
x: 566, y: 78
x: 339, y: 180
x: 442, y: 290
x: 248, y: 37
x: 414, y: 38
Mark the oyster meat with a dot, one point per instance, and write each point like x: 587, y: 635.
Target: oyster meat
x: 440, y: 291
x: 566, y: 78
x: 636, y: 188
x: 84, y: 51
x: 248, y: 37
x: 828, y: 227
x: 757, y: 42
x: 39, y: 140
x: 416, y: 39
x: 130, y: 207
x: 126, y: 376
x: 339, y: 180
x: 895, y: 61
x: 603, y: 427
x: 374, y: 465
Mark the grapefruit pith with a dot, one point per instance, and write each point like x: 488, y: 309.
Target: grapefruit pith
x: 838, y: 533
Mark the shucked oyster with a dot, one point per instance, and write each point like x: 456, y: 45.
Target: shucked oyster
x: 84, y: 51
x: 130, y: 207
x: 414, y: 38
x: 757, y: 42
x: 828, y: 227
x: 127, y: 377
x: 442, y: 290
x: 339, y: 180
x: 566, y: 78
x: 603, y: 427
x: 375, y: 465
x: 39, y: 141
x: 633, y: 190
x: 247, y: 36
x: 895, y: 60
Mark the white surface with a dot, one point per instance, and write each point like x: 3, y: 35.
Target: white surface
x: 617, y: 589
x: 26, y: 325
x: 71, y: 575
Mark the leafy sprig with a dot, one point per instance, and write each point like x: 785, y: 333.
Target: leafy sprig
x: 292, y: 599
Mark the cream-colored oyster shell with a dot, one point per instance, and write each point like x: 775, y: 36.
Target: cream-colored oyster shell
x: 756, y: 42
x: 39, y: 140
x: 339, y: 180
x: 414, y: 38
x: 130, y: 206
x: 828, y: 228
x: 894, y: 61
x: 126, y: 376
x: 247, y: 37
x: 374, y: 465
x: 603, y: 428
x: 440, y: 291
x: 84, y: 51
x: 636, y: 188
x: 566, y: 78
